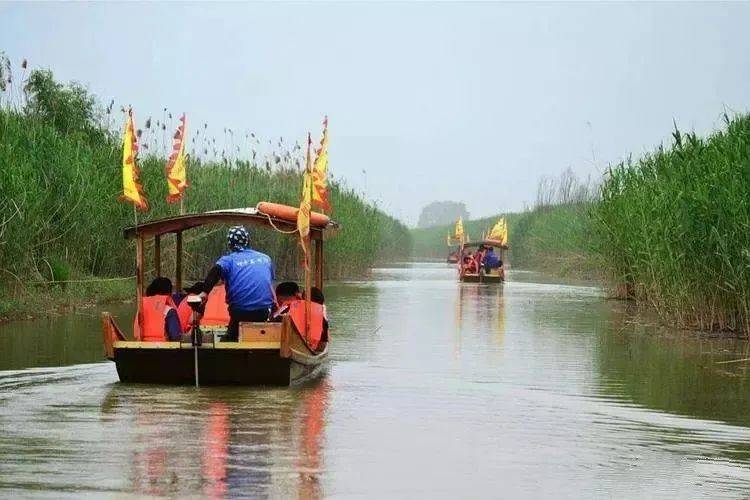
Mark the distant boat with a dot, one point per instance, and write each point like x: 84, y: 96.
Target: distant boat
x: 470, y: 270
x: 266, y: 353
x: 452, y: 257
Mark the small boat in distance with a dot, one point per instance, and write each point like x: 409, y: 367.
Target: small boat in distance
x: 266, y: 353
x: 452, y: 257
x: 469, y: 268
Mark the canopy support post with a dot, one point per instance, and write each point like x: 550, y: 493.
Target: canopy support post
x: 308, y: 288
x: 157, y: 254
x: 138, y: 284
x: 319, y: 262
x: 178, y: 261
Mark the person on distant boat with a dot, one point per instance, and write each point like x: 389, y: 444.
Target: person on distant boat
x: 159, y: 319
x: 286, y: 293
x: 248, y: 280
x: 470, y: 262
x: 491, y: 261
x: 479, y: 257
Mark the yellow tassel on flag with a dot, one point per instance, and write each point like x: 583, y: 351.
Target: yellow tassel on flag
x: 176, y: 167
x: 132, y: 190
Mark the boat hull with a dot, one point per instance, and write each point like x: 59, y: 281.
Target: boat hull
x: 215, y: 366
x: 267, y: 354
x: 484, y: 278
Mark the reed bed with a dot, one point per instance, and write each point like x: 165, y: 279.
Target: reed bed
x: 60, y: 177
x: 674, y: 228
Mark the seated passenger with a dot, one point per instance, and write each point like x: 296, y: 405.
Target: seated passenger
x: 491, y: 261
x: 158, y: 315
x: 286, y: 292
x: 216, y: 310
x: 184, y: 311
x: 479, y: 258
x: 318, y: 322
x: 317, y: 297
x: 470, y: 263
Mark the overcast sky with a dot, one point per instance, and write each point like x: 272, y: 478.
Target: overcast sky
x: 464, y: 101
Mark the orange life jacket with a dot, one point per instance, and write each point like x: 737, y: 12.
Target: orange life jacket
x: 217, y: 311
x: 185, y: 313
x: 153, y: 313
x: 317, y: 314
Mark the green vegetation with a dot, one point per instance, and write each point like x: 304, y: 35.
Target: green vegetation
x: 675, y: 228
x: 60, y: 220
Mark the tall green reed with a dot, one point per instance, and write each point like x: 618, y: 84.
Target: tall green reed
x: 60, y: 177
x: 675, y: 228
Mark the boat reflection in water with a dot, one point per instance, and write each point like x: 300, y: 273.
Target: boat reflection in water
x: 478, y: 305
x: 222, y: 442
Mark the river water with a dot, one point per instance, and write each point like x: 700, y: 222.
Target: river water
x: 434, y: 389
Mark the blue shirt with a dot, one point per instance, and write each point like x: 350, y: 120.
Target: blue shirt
x: 491, y: 260
x: 248, y: 277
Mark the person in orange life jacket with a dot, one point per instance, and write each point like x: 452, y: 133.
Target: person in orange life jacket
x: 184, y: 311
x: 479, y: 257
x: 470, y: 262
x: 286, y: 292
x: 248, y: 278
x: 316, y: 296
x: 158, y: 309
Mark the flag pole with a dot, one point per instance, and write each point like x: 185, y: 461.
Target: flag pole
x: 308, y: 242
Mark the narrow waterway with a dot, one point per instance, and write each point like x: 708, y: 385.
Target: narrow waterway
x: 434, y: 389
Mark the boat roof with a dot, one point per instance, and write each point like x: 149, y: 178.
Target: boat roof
x: 249, y: 215
x: 487, y: 243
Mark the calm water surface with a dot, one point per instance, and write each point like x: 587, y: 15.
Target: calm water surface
x: 434, y: 389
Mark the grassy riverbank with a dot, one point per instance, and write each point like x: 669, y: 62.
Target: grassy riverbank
x: 675, y: 228
x: 60, y: 220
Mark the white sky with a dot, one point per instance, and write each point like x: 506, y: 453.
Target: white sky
x: 464, y: 101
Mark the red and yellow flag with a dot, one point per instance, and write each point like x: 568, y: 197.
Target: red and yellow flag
x: 303, y: 216
x: 176, y: 167
x: 132, y: 190
x: 320, y: 172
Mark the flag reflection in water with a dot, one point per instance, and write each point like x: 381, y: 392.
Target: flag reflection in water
x: 312, y: 426
x: 215, y: 450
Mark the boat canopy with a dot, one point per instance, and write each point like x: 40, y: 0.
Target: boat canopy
x: 487, y: 243
x: 250, y: 215
x: 275, y: 216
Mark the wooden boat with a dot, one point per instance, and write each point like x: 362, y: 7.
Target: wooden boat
x: 465, y: 274
x: 266, y: 353
x: 452, y: 257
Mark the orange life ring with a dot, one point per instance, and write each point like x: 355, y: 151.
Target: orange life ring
x: 290, y: 213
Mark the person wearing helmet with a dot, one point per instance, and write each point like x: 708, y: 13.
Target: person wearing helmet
x: 248, y: 278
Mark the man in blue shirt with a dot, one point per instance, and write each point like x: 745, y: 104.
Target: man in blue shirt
x: 248, y: 277
x: 491, y: 261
